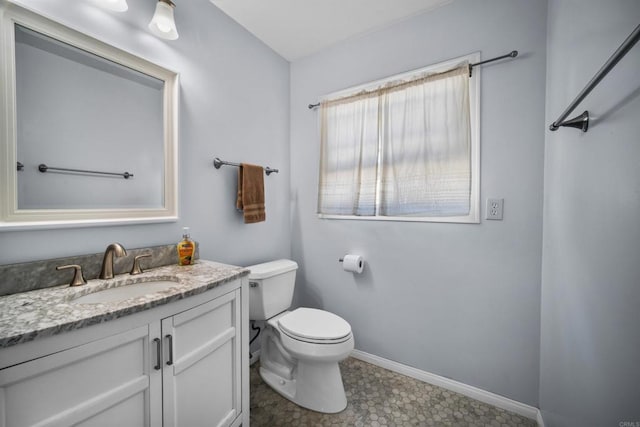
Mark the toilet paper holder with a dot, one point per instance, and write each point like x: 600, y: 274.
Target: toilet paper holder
x: 352, y: 263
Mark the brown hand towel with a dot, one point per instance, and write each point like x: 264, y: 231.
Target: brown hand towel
x: 251, y: 193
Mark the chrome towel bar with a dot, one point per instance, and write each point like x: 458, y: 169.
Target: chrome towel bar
x: 217, y: 163
x: 582, y: 121
x: 44, y: 168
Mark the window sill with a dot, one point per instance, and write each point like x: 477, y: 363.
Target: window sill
x: 467, y: 219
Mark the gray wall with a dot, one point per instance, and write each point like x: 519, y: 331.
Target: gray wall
x: 234, y: 103
x: 590, y: 335
x: 458, y: 300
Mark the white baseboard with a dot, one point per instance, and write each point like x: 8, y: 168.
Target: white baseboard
x: 484, y: 396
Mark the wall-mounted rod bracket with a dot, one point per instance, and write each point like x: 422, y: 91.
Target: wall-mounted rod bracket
x: 578, y: 122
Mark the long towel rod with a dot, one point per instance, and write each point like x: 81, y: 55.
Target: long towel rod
x: 511, y: 54
x: 217, y: 163
x: 582, y: 121
x: 44, y: 168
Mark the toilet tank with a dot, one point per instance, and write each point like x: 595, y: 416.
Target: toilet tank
x: 271, y: 288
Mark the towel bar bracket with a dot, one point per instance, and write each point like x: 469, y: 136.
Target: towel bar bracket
x: 218, y: 163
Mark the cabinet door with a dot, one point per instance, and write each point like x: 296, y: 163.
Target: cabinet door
x: 105, y: 382
x: 202, y: 370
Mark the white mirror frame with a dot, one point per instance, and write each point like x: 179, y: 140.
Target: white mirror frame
x: 12, y: 218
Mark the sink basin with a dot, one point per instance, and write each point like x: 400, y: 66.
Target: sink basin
x: 125, y: 292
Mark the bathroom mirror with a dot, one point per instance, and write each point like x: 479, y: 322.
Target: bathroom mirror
x: 89, y: 131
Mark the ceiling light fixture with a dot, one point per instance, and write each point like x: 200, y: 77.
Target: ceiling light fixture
x: 115, y: 5
x: 163, y: 23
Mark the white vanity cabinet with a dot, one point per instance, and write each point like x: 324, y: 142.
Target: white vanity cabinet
x: 201, y: 373
x: 105, y: 382
x: 177, y: 365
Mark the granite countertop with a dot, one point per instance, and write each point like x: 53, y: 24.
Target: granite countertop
x: 40, y: 313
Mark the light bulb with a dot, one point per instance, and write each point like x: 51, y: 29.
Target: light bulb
x: 163, y: 24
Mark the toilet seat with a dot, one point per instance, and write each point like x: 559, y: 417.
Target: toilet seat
x: 314, y: 326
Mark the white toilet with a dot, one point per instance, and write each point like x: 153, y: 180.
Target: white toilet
x: 300, y: 348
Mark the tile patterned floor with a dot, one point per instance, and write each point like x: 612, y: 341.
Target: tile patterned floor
x: 377, y: 398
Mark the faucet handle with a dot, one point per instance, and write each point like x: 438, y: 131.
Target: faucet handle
x: 78, y: 277
x: 136, y: 269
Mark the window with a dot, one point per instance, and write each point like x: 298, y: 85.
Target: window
x: 405, y: 148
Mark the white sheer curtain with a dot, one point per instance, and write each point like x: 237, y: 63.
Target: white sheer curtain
x: 426, y: 147
x: 403, y: 149
x: 349, y: 156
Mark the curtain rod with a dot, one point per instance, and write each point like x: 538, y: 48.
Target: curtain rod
x: 511, y: 54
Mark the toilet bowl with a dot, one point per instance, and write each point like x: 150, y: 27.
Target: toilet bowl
x: 300, y: 348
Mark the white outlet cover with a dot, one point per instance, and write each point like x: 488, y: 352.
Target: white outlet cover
x: 494, y: 209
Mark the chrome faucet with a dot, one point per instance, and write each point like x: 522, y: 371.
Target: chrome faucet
x: 107, y: 261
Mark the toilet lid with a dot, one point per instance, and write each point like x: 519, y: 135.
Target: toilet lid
x: 310, y: 323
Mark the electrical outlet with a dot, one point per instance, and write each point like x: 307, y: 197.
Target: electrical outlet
x: 494, y: 209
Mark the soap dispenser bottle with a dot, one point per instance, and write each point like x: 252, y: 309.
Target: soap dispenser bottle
x: 186, y: 248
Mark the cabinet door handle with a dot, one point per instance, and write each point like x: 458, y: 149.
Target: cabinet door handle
x: 158, y: 354
x: 170, y: 338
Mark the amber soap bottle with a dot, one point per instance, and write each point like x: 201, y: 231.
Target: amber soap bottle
x: 186, y: 248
